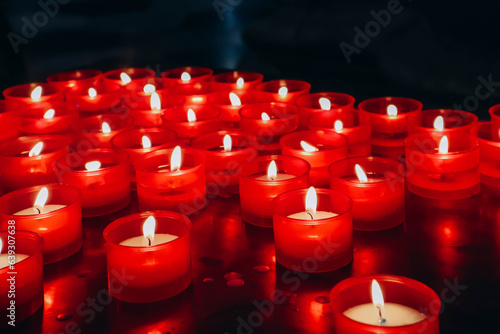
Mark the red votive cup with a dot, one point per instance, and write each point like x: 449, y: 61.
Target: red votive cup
x: 313, y: 245
x: 19, y: 170
x: 351, y: 123
x: 104, y: 190
x: 75, y: 80
x: 182, y: 191
x: 89, y: 133
x: 238, y: 80
x: 155, y: 272
x: 132, y: 142
x: 112, y: 79
x: 378, y: 204
x: 196, y: 93
x: 454, y: 121
x: 495, y: 113
x: 207, y: 120
x: 257, y: 190
x: 145, y: 116
x: 328, y: 147
x: 310, y: 103
x: 283, y: 119
x: 230, y: 112
x: 294, y: 89
x: 196, y: 74
x: 101, y: 103
x: 59, y: 223
x: 7, y: 119
x: 223, y: 168
x: 452, y: 175
x: 35, y: 120
x: 388, y: 130
x: 28, y: 277
x: 404, y: 291
x: 22, y: 94
x: 488, y: 135
x: 139, y: 91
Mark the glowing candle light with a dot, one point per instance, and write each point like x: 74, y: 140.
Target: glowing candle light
x: 146, y: 142
x: 36, y: 94
x: 338, y: 125
x: 176, y: 159
x: 191, y: 116
x: 283, y: 91
x: 392, y: 110
x: 439, y: 123
x: 308, y: 147
x: 149, y: 237
x: 125, y: 78
x: 155, y: 101
x: 325, y: 103
x: 105, y: 128
x: 240, y: 82
x: 360, y: 173
x: 265, y: 116
x: 36, y: 150
x: 235, y: 100
x: 185, y: 76
x: 92, y: 93
x: 149, y: 88
x: 443, y: 145
x: 49, y: 114
x: 92, y: 166
x: 228, y: 143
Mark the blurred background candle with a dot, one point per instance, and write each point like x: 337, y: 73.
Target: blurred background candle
x: 33, y: 93
x: 441, y: 121
x: 495, y: 113
x: 75, y: 80
x: 7, y: 119
x: 488, y: 135
x: 283, y: 90
x: 187, y: 75
x: 320, y: 102
x: 195, y: 93
x: 47, y: 118
x: 191, y: 121
x: 231, y: 102
x: 146, y: 87
x: 97, y: 131
x: 125, y: 78
x: 94, y: 100
x: 237, y: 80
x: 147, y: 111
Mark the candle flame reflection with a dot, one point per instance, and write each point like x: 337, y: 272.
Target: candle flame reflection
x: 443, y: 145
x: 36, y: 150
x: 311, y: 201
x: 185, y: 76
x: 125, y: 78
x: 325, y: 103
x: 283, y: 91
x: 360, y: 173
x: 92, y: 166
x: 41, y: 198
x: 272, y: 171
x: 265, y: 116
x: 155, y: 101
x: 439, y: 123
x: 49, y: 114
x: 176, y: 159
x: 92, y: 92
x: 149, y: 88
x: 148, y: 228
x: 228, y: 143
x: 392, y: 110
x: 235, y: 100
x: 240, y: 82
x: 36, y: 93
x: 146, y: 142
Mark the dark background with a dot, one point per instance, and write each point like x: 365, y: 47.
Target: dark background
x: 431, y: 52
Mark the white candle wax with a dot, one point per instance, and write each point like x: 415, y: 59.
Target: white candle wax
x: 141, y: 241
x: 279, y: 176
x: 318, y: 215
x: 34, y: 211
x: 4, y: 260
x: 394, y: 314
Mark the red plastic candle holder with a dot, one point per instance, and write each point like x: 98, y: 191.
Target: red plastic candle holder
x: 284, y: 119
x: 330, y: 146
x: 313, y: 245
x: 207, y: 120
x: 22, y: 94
x: 257, y: 191
x: 160, y: 189
x: 230, y: 112
x: 495, y: 113
x: 354, y: 125
x: 75, y: 80
x: 104, y: 190
x: 454, y: 121
x: 378, y: 204
x: 295, y: 88
x: 88, y: 132
x: 452, y: 175
x: 19, y: 170
x: 113, y: 82
x: 488, y: 135
x: 238, y: 80
x: 223, y: 168
x: 356, y: 291
x: 34, y: 121
x: 197, y: 74
x: 8, y: 119
x: 28, y: 276
x: 161, y: 86
x: 389, y: 131
x: 103, y: 102
x: 155, y: 272
x: 144, y: 116
x: 61, y: 228
x: 196, y: 93
x: 310, y: 103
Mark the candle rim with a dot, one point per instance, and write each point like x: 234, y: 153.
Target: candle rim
x: 381, y: 104
x: 257, y: 77
x: 307, y: 101
x: 392, y: 166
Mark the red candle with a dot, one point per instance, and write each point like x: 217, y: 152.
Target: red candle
x: 488, y: 135
x: 319, y: 148
x: 191, y: 121
x: 29, y: 161
x: 377, y: 189
x: 147, y: 87
x: 97, y: 131
x: 7, y: 119
x: 187, y: 75
x: 351, y: 123
x: 269, y: 121
x: 495, y: 113
x: 126, y: 78
x: 47, y: 118
x: 153, y: 248
x: 28, y: 277
x: 230, y: 102
x: 147, y: 111
x: 238, y: 80
x: 195, y: 93
x: 225, y: 153
x: 441, y: 121
x: 75, y: 80
x: 33, y: 93
x: 400, y: 301
x: 262, y: 179
x: 442, y: 166
x: 284, y: 90
x: 53, y: 211
x: 95, y: 100
x: 102, y: 175
x: 171, y: 179
x: 389, y: 127
x: 313, y: 230
x: 320, y: 102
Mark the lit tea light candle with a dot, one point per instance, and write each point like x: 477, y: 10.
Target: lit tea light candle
x: 311, y: 205
x: 439, y: 123
x: 265, y: 117
x: 92, y: 93
x: 283, y: 91
x: 125, y: 78
x: 105, y: 128
x: 392, y: 110
x: 36, y: 94
x: 49, y: 114
x: 363, y: 178
x: 240, y: 82
x: 308, y: 147
x: 7, y: 260
x: 176, y: 159
x: 185, y: 76
x: 155, y: 101
x: 39, y: 205
x: 146, y: 142
x: 36, y: 150
x: 338, y: 125
x: 235, y: 100
x: 149, y: 238
x: 227, y: 143
x: 149, y: 88
x: 92, y: 166
x: 443, y: 145
x: 325, y: 103
x: 273, y: 175
x: 191, y: 116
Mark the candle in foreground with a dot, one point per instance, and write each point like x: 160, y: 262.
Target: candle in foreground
x: 441, y: 121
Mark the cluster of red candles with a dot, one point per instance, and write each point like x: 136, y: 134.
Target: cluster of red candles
x: 311, y: 166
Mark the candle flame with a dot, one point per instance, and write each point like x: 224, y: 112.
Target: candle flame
x: 191, y: 115
x: 377, y: 296
x: 240, y: 82
x: 105, y: 127
x: 185, y: 76
x: 149, y: 88
x: 148, y: 229
x: 325, y: 103
x: 439, y: 123
x: 235, y: 100
x: 308, y: 147
x: 125, y: 78
x: 146, y: 142
x: 92, y: 92
x: 36, y: 150
x: 1, y: 246
x: 36, y: 93
x: 443, y: 145
x: 283, y: 91
x: 338, y: 125
x: 392, y: 110
x: 41, y: 198
x: 311, y: 201
x: 272, y: 171
x: 155, y: 101
x: 175, y: 159
x: 265, y: 116
x: 228, y: 143
x: 360, y: 173
x: 92, y: 166
x: 49, y: 114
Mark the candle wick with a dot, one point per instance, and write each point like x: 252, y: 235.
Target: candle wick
x: 149, y: 241
x: 272, y: 178
x: 380, y: 320
x: 37, y: 209
x: 310, y: 215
